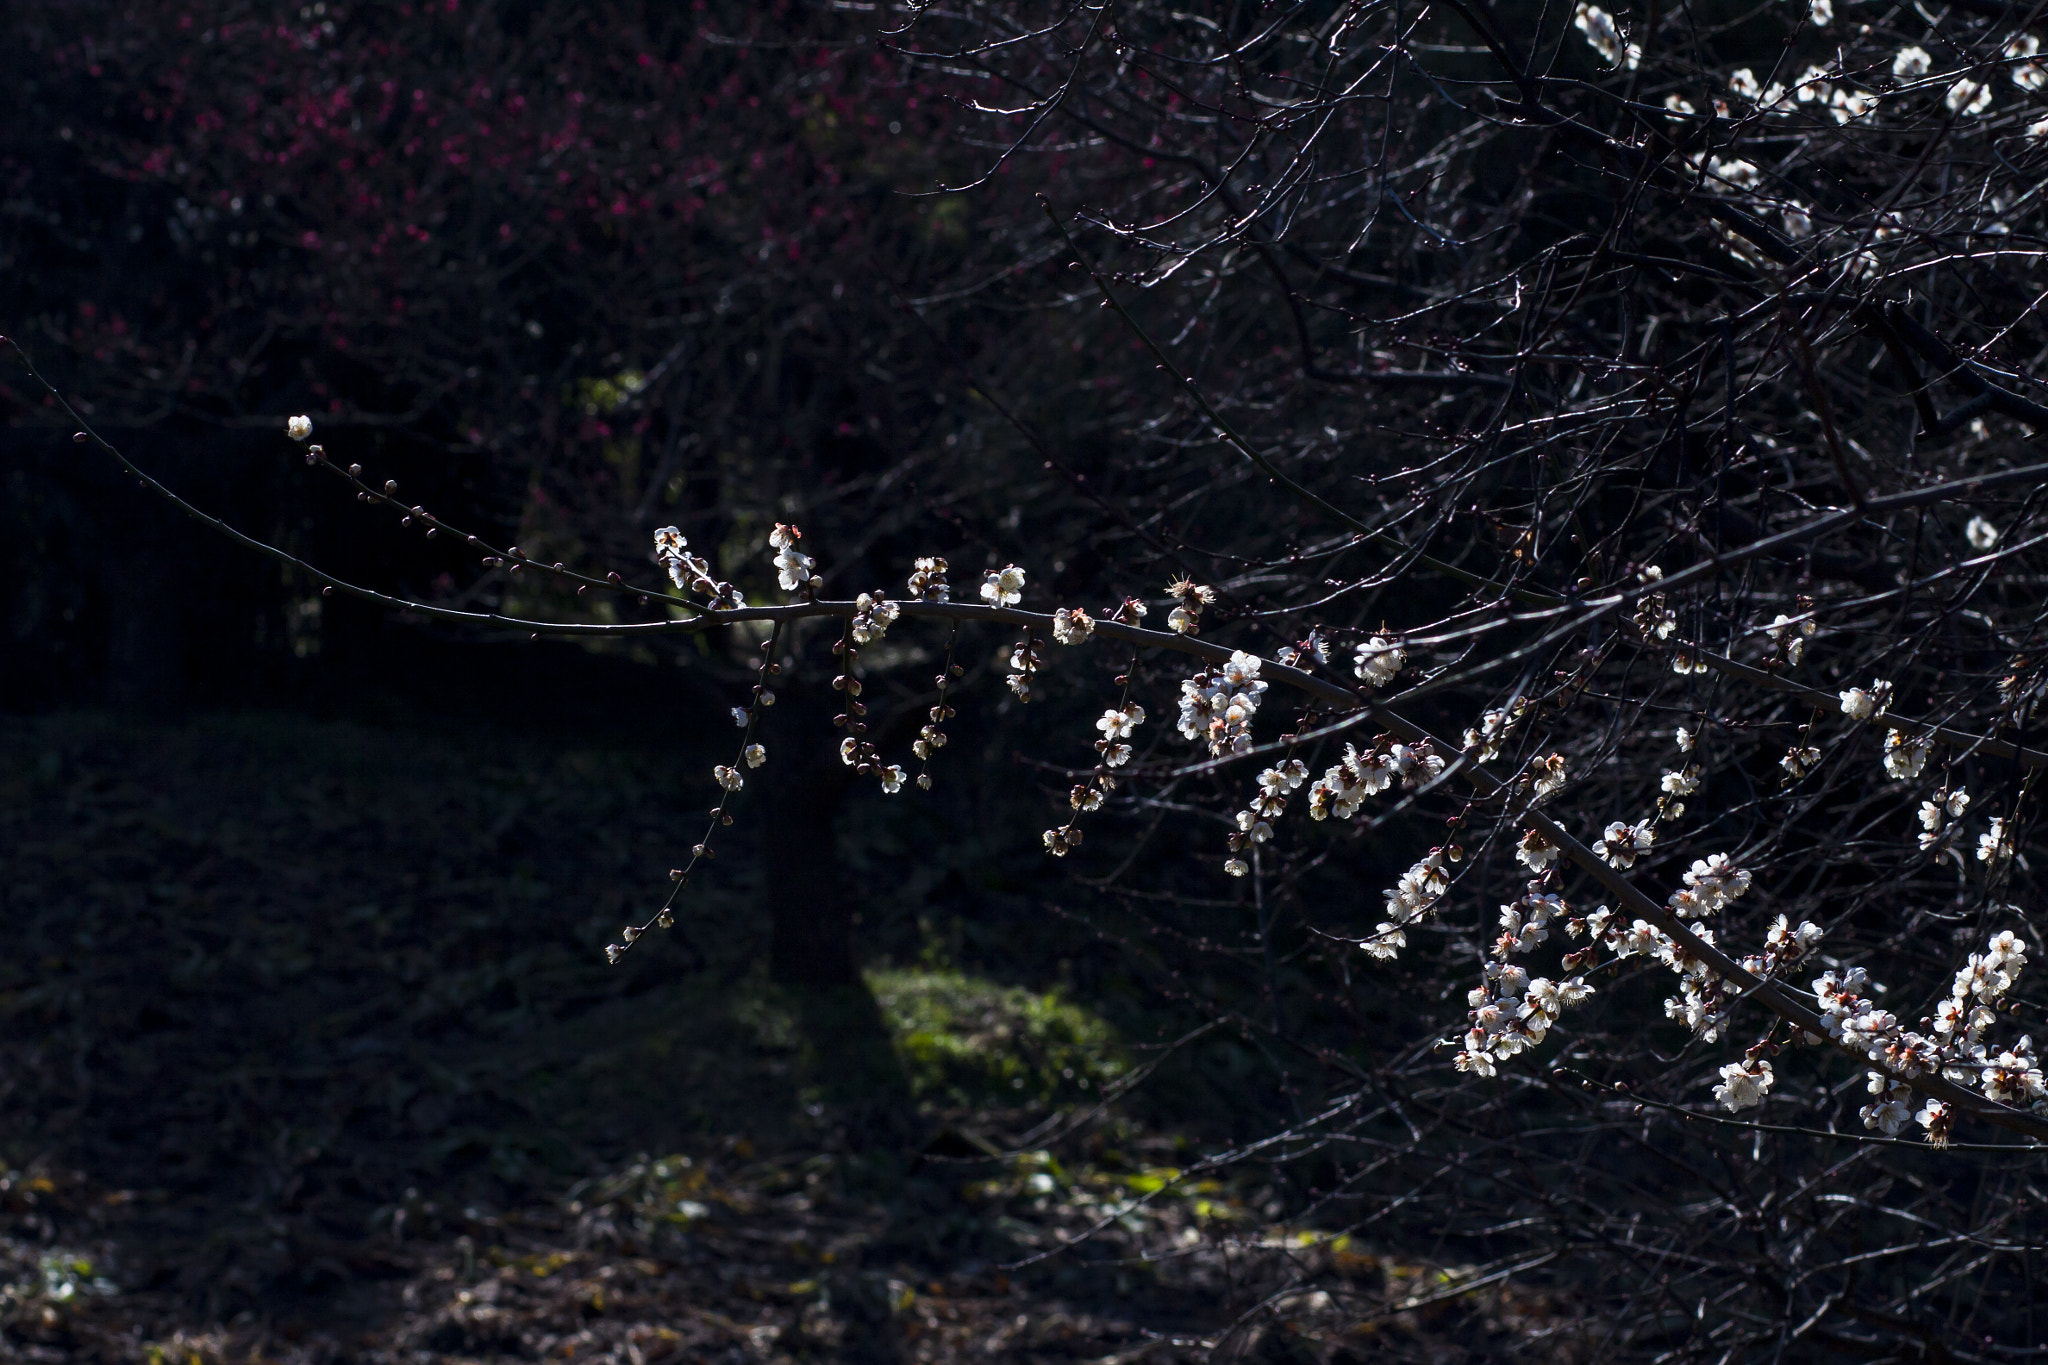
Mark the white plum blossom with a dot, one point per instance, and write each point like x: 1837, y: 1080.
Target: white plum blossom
x: 1601, y: 32
x: 1798, y: 761
x: 729, y: 778
x: 1994, y: 846
x: 1116, y: 725
x: 1744, y: 1084
x: 1536, y: 852
x: 1546, y: 775
x: 1905, y: 756
x: 1790, y: 635
x: 928, y: 581
x: 1417, y: 763
x: 1936, y: 814
x: 1783, y: 946
x: 1683, y: 782
x: 1937, y: 1119
x: 873, y: 615
x: 1847, y: 105
x: 1891, y: 1111
x: 1072, y: 625
x: 1911, y: 63
x: 2028, y: 76
x: 2012, y: 1076
x: 793, y: 568
x: 892, y: 779
x: 756, y: 755
x: 1378, y: 660
x: 1969, y: 97
x: 1186, y: 618
x: 299, y: 428
x: 1861, y: 704
x: 1493, y: 730
x: 1004, y: 587
x: 1024, y: 665
x: 1821, y: 12
x: 1621, y: 843
x: 1981, y: 534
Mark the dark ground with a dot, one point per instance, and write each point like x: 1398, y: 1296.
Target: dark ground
x: 308, y: 1051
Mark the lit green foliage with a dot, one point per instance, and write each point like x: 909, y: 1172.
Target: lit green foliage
x: 966, y: 1040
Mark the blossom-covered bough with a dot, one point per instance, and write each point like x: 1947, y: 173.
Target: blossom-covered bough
x: 1955, y: 1069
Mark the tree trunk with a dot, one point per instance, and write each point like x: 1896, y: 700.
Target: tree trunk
x: 810, y: 906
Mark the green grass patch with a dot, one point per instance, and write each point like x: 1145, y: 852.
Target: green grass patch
x: 966, y: 1040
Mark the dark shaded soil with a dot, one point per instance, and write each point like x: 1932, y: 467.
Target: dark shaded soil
x: 308, y: 1051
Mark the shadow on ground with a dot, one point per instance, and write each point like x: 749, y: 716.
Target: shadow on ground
x: 309, y: 1051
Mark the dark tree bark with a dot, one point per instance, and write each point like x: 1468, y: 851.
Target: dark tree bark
x: 810, y: 905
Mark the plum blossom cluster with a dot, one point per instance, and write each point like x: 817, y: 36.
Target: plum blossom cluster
x: 1378, y: 661
x: 927, y: 582
x: 931, y: 736
x: 1025, y: 661
x: 691, y: 573
x: 1622, y: 843
x: 1116, y: 724
x: 1343, y: 787
x: 1189, y: 599
x: 1905, y: 755
x: 1411, y: 898
x: 1994, y: 846
x: 793, y: 568
x: 1711, y: 883
x: 873, y: 615
x: 1784, y: 947
x: 856, y: 750
x: 2009, y: 1075
x: 1814, y: 87
x: 1701, y: 1002
x: 1255, y: 821
x: 1654, y: 617
x: 1938, y: 815
x: 1510, y: 1011
x: 1217, y: 705
x: 1003, y: 587
x: 1862, y: 704
x: 1789, y: 636
x: 1072, y: 625
x: 1605, y: 37
x: 1744, y: 1084
x: 1957, y: 1047
x: 1493, y: 730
